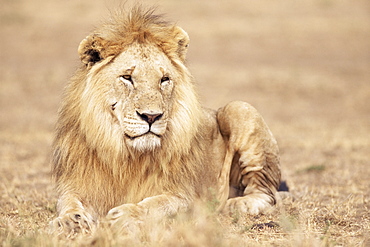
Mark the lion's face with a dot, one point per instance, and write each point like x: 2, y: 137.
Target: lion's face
x: 136, y: 93
x: 138, y: 85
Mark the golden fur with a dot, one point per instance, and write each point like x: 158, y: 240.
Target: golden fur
x: 132, y: 139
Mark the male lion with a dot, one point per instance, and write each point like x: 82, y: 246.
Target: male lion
x: 132, y: 140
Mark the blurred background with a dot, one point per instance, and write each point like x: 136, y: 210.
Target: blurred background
x: 298, y: 62
x: 305, y: 65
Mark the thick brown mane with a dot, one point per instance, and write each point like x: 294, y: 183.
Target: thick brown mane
x: 137, y: 25
x: 86, y: 142
x: 141, y: 26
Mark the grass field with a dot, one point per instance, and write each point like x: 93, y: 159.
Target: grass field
x: 305, y: 65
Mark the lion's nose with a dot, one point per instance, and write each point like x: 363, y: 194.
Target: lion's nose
x: 149, y: 117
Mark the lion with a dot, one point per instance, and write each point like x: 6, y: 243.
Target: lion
x: 133, y: 141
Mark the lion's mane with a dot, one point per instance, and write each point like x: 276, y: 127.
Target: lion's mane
x: 86, y: 145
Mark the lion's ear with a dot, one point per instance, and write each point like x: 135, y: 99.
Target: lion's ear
x: 91, y: 49
x: 182, y: 39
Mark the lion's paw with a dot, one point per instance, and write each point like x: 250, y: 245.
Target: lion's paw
x: 73, y: 224
x: 126, y: 218
x: 250, y: 204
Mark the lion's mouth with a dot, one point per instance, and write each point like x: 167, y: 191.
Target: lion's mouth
x: 138, y: 136
x: 147, y: 141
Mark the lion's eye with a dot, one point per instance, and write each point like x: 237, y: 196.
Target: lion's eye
x: 126, y: 78
x: 165, y: 79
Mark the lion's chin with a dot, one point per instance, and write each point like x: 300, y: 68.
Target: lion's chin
x: 144, y: 143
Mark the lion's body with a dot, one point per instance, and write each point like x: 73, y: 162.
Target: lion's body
x: 132, y: 138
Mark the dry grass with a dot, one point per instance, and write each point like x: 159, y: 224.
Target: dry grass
x: 305, y: 65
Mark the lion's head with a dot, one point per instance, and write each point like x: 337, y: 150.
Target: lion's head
x: 135, y: 94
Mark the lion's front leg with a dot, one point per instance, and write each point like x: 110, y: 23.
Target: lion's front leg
x: 252, y: 160
x: 129, y: 218
x: 73, y: 218
x: 126, y: 218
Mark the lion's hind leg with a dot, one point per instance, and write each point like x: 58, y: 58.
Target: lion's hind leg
x: 254, y: 173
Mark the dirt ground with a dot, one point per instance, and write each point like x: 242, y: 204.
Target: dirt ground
x: 305, y: 65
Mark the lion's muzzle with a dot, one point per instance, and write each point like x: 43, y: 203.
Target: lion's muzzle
x: 144, y: 130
